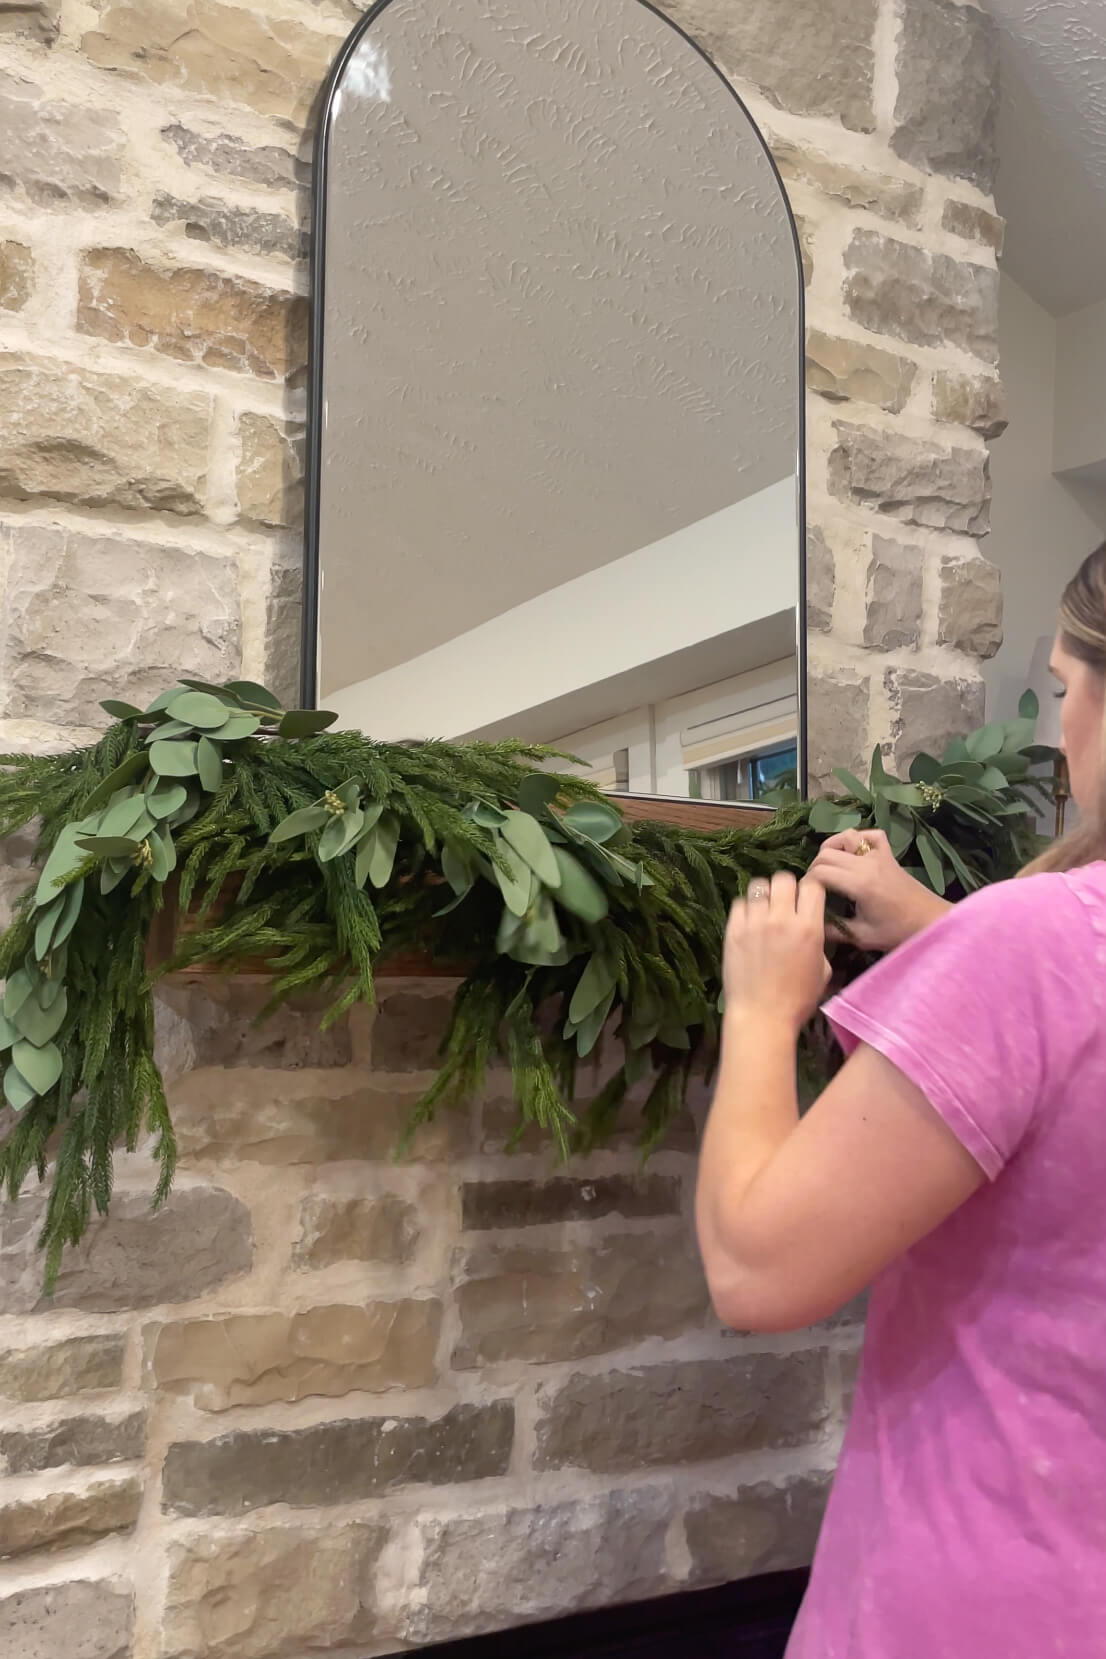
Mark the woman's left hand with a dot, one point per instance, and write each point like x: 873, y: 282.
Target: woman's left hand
x: 775, y: 961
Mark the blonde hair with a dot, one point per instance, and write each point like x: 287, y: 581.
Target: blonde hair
x: 1082, y: 632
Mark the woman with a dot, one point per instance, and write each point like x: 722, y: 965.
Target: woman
x: 958, y: 1164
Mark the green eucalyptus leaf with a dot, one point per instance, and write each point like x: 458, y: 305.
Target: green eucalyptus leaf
x: 120, y: 711
x: 579, y: 891
x: 537, y: 793
x: 594, y: 820
x: 349, y: 794
x: 217, y: 691
x: 209, y: 764
x: 1029, y: 708
x: 21, y: 984
x: 162, y: 700
x: 125, y: 773
x: 987, y: 741
x: 526, y: 836
x: 48, y: 991
x: 880, y: 774
x: 304, y: 822
x: 165, y: 798
x: 237, y: 727
x: 40, y: 1067
x: 853, y: 784
x: 590, y: 1028
x: 488, y: 817
x: 515, y: 878
x: 9, y: 1033
x: 121, y: 818
x: 163, y: 854
x: 1018, y: 735
x: 256, y: 696
x: 924, y: 769
x: 17, y: 1091
x: 931, y: 859
x: 305, y: 722
x: 113, y: 872
x: 827, y: 818
x: 66, y: 856
x: 993, y: 778
x: 508, y: 932
x: 903, y: 794
x: 199, y: 709
x: 597, y: 981
x: 174, y: 759
x: 384, y: 842
x: 956, y: 751
x: 340, y: 834
x: 901, y: 833
x: 45, y: 923
x: 169, y: 729
x: 457, y: 869
x: 40, y: 1025
x: 967, y: 880
x: 110, y: 846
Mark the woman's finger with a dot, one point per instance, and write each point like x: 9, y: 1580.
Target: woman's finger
x: 811, y: 902
x: 840, y: 873
x: 784, y: 890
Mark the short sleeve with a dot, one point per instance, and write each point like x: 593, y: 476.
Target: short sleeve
x: 985, y: 1011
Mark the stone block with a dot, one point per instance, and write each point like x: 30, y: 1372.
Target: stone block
x: 849, y: 1363
x: 970, y: 606
x: 928, y: 299
x: 249, y: 229
x: 134, y: 1258
x: 928, y: 712
x: 58, y: 1520
x: 88, y: 617
x: 84, y: 1619
x: 948, y: 88
x: 911, y: 479
x: 542, y: 1304
x: 73, y: 1441
x: 974, y: 224
x: 224, y: 1028
x: 254, y: 1359
x: 838, y: 718
x: 819, y: 62
x: 283, y: 630
x: 489, y: 1572
x: 55, y: 154
x: 192, y: 315
x: 231, y: 54
x: 269, y: 477
x: 38, y: 20
x: 759, y: 1529
x: 854, y: 371
x: 855, y: 187
x: 276, y: 1593
x: 821, y: 581
x: 52, y: 1370
x: 619, y: 1421
x: 893, y: 596
x: 384, y: 1230
x: 338, y: 1462
x: 269, y: 165
x: 408, y: 1031
x: 99, y: 440
x: 17, y: 271
x: 806, y: 248
x: 491, y: 1204
x: 975, y: 400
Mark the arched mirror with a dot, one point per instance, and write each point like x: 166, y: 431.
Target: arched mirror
x: 555, y: 466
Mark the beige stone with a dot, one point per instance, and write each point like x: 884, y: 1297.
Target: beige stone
x: 35, y: 19
x: 270, y: 165
x: 911, y: 479
x: 855, y: 187
x: 491, y: 1204
x: 192, y: 315
x: 59, y: 1520
x: 820, y: 63
x: 269, y: 479
x: 55, y: 154
x: 343, y: 1461
x: 893, y: 596
x: 539, y: 1304
x: 283, y: 629
x: 838, y: 706
x: 974, y: 224
x: 821, y: 581
x: 970, y: 606
x: 231, y: 54
x: 74, y: 1441
x: 948, y: 83
x: 277, y: 1592
x: 975, y: 400
x: 682, y: 1413
x: 51, y: 1370
x: 928, y: 299
x: 929, y: 711
x: 210, y: 219
x: 409, y: 1030
x: 88, y: 617
x: 99, y: 440
x: 254, y: 1359
x: 17, y: 267
x: 854, y: 371
x: 83, y: 1619
x: 488, y: 1572
x: 333, y: 1230
x: 806, y: 233
x: 224, y: 1027
x: 758, y: 1529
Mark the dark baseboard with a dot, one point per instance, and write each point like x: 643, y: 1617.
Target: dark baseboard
x: 748, y: 1620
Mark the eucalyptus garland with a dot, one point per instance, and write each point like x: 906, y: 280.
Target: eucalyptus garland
x: 325, y: 854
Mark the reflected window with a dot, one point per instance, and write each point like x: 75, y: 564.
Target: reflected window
x: 746, y: 777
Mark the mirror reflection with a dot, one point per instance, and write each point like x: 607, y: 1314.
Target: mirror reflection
x: 558, y: 487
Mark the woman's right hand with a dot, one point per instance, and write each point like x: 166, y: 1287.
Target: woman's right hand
x: 890, y: 905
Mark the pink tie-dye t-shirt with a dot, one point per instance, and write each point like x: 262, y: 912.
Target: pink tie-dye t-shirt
x: 968, y: 1519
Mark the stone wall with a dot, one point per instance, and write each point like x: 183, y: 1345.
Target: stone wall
x: 325, y: 1403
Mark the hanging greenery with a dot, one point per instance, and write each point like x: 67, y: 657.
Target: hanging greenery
x: 325, y: 854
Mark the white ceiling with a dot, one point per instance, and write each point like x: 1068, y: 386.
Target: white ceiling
x: 1052, y: 148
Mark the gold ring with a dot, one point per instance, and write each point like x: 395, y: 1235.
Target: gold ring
x: 864, y: 848
x: 759, y: 890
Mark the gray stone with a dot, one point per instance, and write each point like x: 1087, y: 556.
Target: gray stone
x: 490, y: 1572
x: 51, y: 1370
x: 58, y: 1520
x: 849, y: 1364
x: 269, y: 478
x: 34, y: 19
x: 76, y: 1441
x: 948, y: 76
x: 384, y: 1230
x: 268, y: 164
x: 337, y: 1462
x: 928, y: 712
x: 85, y: 1619
x: 134, y: 1258
x: 540, y: 1304
x: 819, y: 62
x: 408, y: 1031
x: 838, y: 719
x: 854, y: 371
x: 760, y: 1529
x: 227, y: 226
x: 88, y: 617
x: 276, y: 1593
x: 974, y: 400
x: 911, y: 479
x: 974, y: 224
x: 17, y: 270
x: 100, y: 440
x: 490, y: 1204
x: 619, y: 1421
x: 856, y: 187
x: 226, y: 1030
x: 821, y: 581
x: 55, y: 154
x: 893, y: 596
x: 283, y: 626
x: 928, y: 299
x: 970, y: 606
